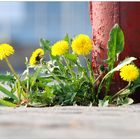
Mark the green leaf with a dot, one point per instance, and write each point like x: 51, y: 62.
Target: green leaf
x: 71, y: 57
x: 125, y: 92
x: 119, y: 66
x: 8, y: 93
x: 123, y: 63
x: 124, y: 101
x: 44, y: 98
x: 137, y: 81
x: 60, y: 64
x: 129, y: 101
x: 73, y: 96
x: 6, y: 103
x: 136, y: 84
x: 45, y: 44
x: 45, y: 79
x: 107, y: 98
x: 102, y: 68
x: 34, y: 77
x: 66, y: 38
x: 115, y: 45
x: 69, y: 99
x: 48, y: 89
x: 103, y: 103
x: 5, y: 78
x: 34, y: 104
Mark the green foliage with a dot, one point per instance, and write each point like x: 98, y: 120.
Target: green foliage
x: 123, y: 63
x: 103, y: 103
x: 117, y: 68
x: 63, y: 80
x: 7, y: 103
x: 8, y: 93
x: 38, y: 99
x: 66, y: 38
x: 123, y: 101
x: 115, y: 47
x: 71, y: 57
x: 6, y: 78
x: 45, y: 44
x: 34, y: 77
x: 135, y: 85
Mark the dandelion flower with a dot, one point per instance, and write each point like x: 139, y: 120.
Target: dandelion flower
x: 5, y: 51
x: 60, y: 48
x: 82, y: 45
x: 36, y: 56
x: 129, y: 73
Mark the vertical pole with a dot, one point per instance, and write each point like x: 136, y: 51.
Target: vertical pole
x: 103, y: 16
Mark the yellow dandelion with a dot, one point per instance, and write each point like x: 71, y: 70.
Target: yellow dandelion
x: 5, y: 51
x: 36, y: 56
x: 59, y: 48
x: 129, y: 73
x: 82, y: 45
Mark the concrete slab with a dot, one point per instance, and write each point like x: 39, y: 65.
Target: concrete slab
x: 70, y: 122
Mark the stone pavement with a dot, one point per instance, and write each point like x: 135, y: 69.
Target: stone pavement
x: 70, y: 122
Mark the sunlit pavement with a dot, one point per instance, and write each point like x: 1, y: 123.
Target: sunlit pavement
x: 70, y: 122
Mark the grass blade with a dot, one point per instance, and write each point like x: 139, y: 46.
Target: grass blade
x: 6, y: 103
x: 8, y: 93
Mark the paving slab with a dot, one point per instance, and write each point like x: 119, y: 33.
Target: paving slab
x: 70, y: 122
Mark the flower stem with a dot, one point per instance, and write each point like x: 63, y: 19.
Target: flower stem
x: 97, y: 79
x: 28, y: 79
x: 55, y: 77
x: 119, y: 92
x: 101, y: 83
x: 11, y: 68
x: 81, y: 68
x: 90, y: 71
x: 72, y: 73
x: 13, y: 71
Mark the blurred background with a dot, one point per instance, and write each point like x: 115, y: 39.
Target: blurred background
x: 22, y: 24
